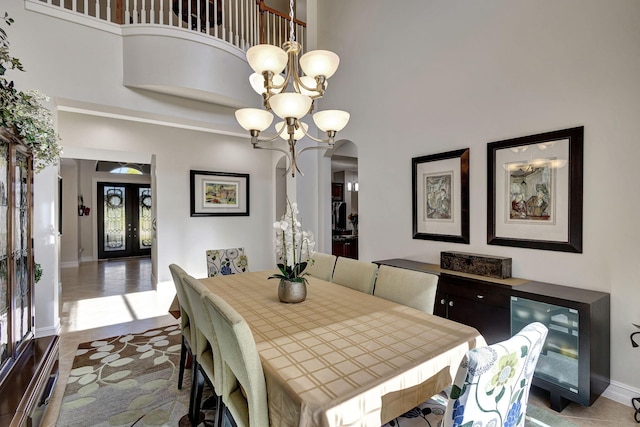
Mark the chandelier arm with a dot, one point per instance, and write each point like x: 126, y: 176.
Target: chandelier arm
x: 294, y: 164
x: 284, y: 84
x: 255, y: 134
x: 318, y: 88
x: 329, y: 139
x: 316, y: 147
x: 286, y: 153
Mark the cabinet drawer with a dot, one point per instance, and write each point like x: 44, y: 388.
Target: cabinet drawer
x: 486, y: 294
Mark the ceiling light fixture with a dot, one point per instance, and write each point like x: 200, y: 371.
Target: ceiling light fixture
x: 269, y: 62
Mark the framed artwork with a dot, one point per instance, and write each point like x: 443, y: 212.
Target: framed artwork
x: 219, y: 194
x: 535, y: 191
x: 441, y: 196
x: 337, y: 192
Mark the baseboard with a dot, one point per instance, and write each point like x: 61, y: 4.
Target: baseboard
x: 48, y: 331
x: 87, y: 259
x: 621, y: 393
x: 70, y: 264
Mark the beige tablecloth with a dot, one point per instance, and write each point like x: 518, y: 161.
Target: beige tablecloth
x: 341, y: 357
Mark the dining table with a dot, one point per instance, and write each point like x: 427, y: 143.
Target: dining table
x: 342, y: 357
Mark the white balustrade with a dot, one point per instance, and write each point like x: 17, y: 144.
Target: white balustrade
x: 241, y: 23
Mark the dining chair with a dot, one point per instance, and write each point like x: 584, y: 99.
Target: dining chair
x: 209, y: 366
x: 407, y: 287
x: 186, y: 320
x: 322, y: 266
x: 491, y: 386
x: 355, y: 274
x: 222, y: 262
x: 244, y: 391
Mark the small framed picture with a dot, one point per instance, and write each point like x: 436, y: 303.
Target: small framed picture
x: 441, y: 196
x: 535, y: 191
x: 219, y: 194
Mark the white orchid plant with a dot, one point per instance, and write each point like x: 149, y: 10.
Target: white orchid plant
x: 294, y: 247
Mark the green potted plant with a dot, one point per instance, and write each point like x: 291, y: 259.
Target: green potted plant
x: 23, y: 113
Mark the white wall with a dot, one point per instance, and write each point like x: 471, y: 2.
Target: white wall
x: 69, y: 240
x: 45, y: 250
x: 434, y: 76
x: 181, y: 238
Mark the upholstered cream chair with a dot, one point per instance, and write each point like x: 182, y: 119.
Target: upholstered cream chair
x: 244, y: 391
x: 222, y: 262
x: 188, y: 339
x: 209, y: 366
x: 408, y: 287
x: 322, y: 266
x: 491, y: 386
x: 355, y: 274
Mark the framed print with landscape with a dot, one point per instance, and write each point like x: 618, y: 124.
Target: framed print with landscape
x: 441, y: 196
x: 535, y: 191
x: 219, y: 194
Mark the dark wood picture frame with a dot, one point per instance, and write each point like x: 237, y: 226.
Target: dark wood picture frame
x: 238, y: 184
x: 568, y: 193
x: 426, y: 226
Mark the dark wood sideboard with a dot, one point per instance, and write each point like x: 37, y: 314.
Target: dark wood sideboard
x: 578, y: 322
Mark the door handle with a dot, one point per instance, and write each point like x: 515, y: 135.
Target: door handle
x: 443, y: 301
x: 450, y: 303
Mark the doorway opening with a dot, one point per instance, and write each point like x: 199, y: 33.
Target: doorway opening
x: 344, y: 200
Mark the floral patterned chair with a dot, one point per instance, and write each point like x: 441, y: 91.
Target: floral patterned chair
x: 491, y: 387
x: 222, y: 262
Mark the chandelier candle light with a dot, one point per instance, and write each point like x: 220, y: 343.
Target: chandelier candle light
x: 269, y: 62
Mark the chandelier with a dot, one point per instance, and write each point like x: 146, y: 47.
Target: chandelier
x: 269, y: 63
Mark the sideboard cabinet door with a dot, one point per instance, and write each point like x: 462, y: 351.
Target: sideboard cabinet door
x: 482, y: 306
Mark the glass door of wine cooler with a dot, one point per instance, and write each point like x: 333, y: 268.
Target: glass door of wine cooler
x: 558, y: 362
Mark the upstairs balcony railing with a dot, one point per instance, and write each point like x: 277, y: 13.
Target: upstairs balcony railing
x: 241, y: 23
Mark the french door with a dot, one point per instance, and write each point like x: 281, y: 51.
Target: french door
x: 124, y: 220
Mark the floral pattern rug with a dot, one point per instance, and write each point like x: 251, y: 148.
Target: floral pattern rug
x: 127, y: 380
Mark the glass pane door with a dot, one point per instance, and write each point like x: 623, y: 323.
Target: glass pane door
x: 5, y: 320
x: 21, y: 234
x: 558, y: 362
x: 124, y: 220
x: 144, y: 217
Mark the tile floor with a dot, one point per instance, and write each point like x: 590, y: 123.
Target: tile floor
x: 108, y: 298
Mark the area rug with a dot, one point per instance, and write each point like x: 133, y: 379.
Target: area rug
x: 430, y: 413
x: 129, y: 380
x: 132, y: 380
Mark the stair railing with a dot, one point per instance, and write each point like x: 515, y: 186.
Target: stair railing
x: 242, y: 23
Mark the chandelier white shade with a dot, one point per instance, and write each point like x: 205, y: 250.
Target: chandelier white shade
x: 257, y: 83
x: 331, y: 120
x: 291, y: 96
x: 254, y: 119
x: 290, y: 104
x: 319, y: 63
x: 266, y: 57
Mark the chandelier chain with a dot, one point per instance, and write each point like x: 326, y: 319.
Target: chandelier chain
x: 292, y: 36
